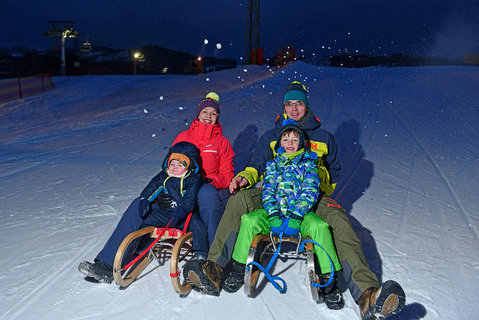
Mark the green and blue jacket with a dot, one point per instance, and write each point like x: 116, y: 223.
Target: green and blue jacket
x: 291, y: 185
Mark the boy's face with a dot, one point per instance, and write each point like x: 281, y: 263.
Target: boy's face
x: 175, y: 167
x: 290, y: 141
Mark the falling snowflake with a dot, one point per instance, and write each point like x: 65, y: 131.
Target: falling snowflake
x: 145, y: 111
x: 218, y: 46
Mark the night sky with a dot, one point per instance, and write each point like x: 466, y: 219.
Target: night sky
x: 377, y: 27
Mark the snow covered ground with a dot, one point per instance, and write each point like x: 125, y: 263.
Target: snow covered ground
x: 73, y: 158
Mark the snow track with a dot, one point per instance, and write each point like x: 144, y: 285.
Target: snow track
x: 72, y: 159
x: 446, y: 180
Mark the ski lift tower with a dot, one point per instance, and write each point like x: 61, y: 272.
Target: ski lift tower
x: 254, y: 54
x: 63, y: 29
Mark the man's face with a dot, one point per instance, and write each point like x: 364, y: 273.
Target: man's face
x: 295, y: 109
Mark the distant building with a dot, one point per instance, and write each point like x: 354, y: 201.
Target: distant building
x: 472, y: 59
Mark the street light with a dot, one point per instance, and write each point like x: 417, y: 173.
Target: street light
x: 136, y: 56
x: 199, y: 64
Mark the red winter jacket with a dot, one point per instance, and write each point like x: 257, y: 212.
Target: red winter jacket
x: 216, y: 151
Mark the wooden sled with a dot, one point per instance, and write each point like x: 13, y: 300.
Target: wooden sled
x: 173, y: 243
x: 262, y: 249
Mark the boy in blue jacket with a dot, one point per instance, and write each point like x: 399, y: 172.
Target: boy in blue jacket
x: 168, y: 198
x: 290, y: 190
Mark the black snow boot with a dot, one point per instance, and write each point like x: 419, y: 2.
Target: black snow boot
x: 333, y: 297
x: 100, y: 271
x: 235, y: 279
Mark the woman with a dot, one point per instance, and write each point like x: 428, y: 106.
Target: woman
x: 216, y: 168
x: 216, y: 156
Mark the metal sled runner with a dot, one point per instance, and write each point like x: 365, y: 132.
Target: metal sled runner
x: 262, y: 249
x: 165, y: 243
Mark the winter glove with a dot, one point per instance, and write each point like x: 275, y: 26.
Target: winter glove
x: 143, y: 207
x: 292, y: 227
x: 275, y: 224
x: 164, y: 202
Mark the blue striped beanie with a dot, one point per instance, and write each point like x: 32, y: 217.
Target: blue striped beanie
x: 296, y: 91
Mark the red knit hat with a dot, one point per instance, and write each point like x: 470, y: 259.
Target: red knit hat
x: 211, y: 100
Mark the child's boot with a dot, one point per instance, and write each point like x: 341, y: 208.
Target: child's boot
x: 100, y: 271
x: 333, y: 297
x: 236, y: 278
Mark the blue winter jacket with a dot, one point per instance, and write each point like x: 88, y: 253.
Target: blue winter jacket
x: 318, y: 140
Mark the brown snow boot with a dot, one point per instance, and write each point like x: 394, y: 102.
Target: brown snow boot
x: 213, y: 273
x: 382, y: 302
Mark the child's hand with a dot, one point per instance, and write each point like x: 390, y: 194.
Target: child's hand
x: 293, y: 227
x: 143, y: 208
x: 164, y: 201
x: 275, y: 224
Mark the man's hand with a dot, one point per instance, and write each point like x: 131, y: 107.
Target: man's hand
x: 237, y: 183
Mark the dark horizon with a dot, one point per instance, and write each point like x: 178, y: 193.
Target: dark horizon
x: 448, y: 29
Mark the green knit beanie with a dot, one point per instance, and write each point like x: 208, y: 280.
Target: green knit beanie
x: 296, y: 91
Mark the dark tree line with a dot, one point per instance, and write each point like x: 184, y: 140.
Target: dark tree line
x: 23, y: 62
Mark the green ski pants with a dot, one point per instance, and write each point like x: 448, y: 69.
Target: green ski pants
x: 313, y: 226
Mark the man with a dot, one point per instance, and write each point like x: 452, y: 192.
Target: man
x: 362, y: 282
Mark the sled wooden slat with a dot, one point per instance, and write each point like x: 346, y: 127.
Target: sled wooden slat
x: 180, y: 288
x: 124, y: 279
x: 180, y: 250
x: 251, y: 275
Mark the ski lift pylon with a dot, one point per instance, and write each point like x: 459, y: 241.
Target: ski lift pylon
x: 85, y: 47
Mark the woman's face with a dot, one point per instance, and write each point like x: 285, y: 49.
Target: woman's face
x: 208, y: 115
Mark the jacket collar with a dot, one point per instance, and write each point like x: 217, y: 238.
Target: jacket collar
x: 205, y: 131
x: 312, y: 123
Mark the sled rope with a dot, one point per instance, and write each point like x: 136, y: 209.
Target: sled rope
x: 315, y: 284
x: 275, y: 279
x: 187, y: 223
x: 271, y: 278
x: 132, y: 262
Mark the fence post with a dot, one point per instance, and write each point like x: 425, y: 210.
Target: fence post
x: 19, y: 87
